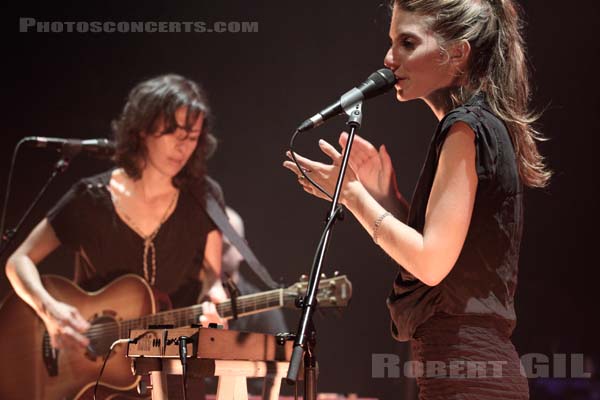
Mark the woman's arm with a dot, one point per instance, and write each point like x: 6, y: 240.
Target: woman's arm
x: 212, y: 259
x: 216, y: 293
x: 429, y: 256
x: 21, y: 267
x: 65, y: 324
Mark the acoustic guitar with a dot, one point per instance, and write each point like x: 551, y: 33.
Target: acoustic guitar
x: 31, y: 369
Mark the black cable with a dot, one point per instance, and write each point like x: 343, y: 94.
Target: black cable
x: 112, y: 346
x: 9, y: 184
x: 182, y: 341
x: 330, y: 221
x: 302, y: 171
x: 338, y: 210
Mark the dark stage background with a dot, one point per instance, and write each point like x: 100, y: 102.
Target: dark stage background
x: 261, y: 86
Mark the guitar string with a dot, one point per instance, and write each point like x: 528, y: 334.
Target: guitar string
x: 102, y: 328
x: 265, y: 299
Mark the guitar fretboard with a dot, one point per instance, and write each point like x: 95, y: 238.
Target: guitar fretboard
x: 246, y: 305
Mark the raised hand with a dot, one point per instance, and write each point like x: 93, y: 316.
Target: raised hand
x: 324, y: 174
x: 375, y: 171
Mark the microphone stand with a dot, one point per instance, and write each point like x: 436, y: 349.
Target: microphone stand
x: 61, y: 166
x: 305, y: 339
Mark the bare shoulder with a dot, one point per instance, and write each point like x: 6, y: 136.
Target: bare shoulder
x: 41, y: 241
x: 459, y: 144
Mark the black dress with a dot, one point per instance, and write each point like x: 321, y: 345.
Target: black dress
x: 464, y: 324
x: 85, y: 220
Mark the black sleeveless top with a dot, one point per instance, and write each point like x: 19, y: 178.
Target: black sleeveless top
x: 86, y: 221
x: 483, y: 280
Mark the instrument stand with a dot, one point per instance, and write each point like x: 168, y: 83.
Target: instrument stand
x: 310, y: 364
x: 305, y: 340
x: 232, y: 376
x: 61, y: 166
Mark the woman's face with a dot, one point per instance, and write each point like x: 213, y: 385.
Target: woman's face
x: 168, y: 153
x: 416, y: 58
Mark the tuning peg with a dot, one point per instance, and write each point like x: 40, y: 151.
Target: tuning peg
x: 336, y: 273
x: 323, y: 276
x: 303, y: 278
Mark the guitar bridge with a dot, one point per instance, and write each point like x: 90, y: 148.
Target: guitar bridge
x: 50, y: 355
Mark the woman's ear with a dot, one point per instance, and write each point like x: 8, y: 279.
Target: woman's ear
x: 459, y: 54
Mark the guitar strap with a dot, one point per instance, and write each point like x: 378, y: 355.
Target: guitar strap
x: 217, y: 214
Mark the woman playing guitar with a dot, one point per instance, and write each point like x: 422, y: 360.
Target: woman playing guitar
x: 144, y: 217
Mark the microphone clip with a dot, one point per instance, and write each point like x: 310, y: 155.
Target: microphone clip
x: 355, y: 114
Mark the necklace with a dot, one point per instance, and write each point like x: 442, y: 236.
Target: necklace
x: 149, y: 239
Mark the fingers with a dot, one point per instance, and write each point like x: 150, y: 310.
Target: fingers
x: 78, y: 322
x: 210, y: 315
x: 362, y: 150
x: 292, y: 167
x: 304, y: 183
x: 303, y: 161
x: 329, y: 150
x: 66, y: 337
x: 66, y: 326
x: 310, y: 189
x: 306, y: 164
x: 73, y: 339
x: 343, y: 139
x: 386, y: 161
x: 360, y: 143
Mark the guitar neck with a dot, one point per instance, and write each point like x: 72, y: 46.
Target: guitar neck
x: 246, y: 305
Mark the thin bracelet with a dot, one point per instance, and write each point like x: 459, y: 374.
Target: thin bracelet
x: 378, y: 222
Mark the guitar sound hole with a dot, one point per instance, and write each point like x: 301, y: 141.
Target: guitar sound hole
x: 103, y: 332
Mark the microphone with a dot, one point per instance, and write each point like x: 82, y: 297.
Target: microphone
x: 377, y: 83
x: 98, y: 147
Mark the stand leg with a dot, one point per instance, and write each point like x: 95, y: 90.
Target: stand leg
x: 159, y: 385
x: 310, y: 365
x: 271, y: 387
x: 310, y: 383
x: 232, y: 388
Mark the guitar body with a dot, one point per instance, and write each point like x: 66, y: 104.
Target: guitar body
x: 27, y: 367
x: 32, y: 370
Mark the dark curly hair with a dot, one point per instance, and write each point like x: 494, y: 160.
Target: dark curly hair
x: 154, y: 101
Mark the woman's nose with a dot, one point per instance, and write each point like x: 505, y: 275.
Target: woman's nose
x: 389, y: 61
x: 180, y: 145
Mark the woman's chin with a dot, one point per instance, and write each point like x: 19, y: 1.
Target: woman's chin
x: 402, y: 97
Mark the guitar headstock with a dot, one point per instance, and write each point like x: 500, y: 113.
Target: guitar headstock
x: 332, y: 292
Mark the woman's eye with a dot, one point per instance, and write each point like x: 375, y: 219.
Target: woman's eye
x: 408, y: 44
